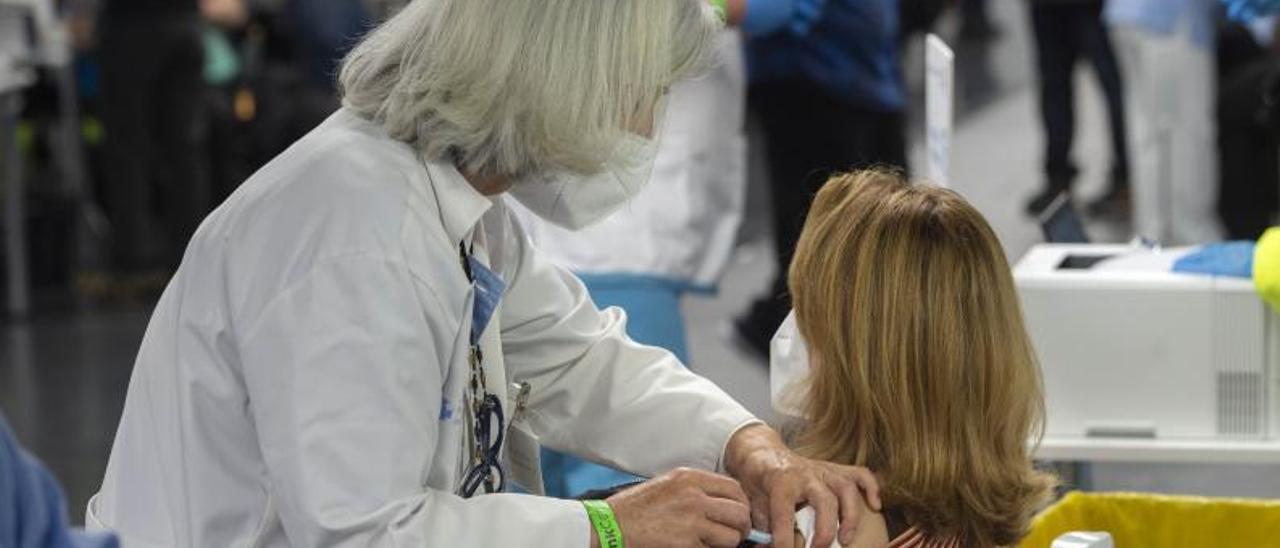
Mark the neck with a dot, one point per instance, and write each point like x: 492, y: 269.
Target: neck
x: 492, y: 185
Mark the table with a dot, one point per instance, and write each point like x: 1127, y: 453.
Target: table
x: 1207, y: 451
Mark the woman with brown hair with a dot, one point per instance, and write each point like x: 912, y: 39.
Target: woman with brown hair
x: 921, y: 369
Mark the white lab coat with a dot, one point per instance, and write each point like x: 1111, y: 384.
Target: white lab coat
x: 302, y: 379
x: 683, y: 226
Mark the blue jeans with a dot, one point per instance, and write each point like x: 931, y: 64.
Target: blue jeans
x: 653, y: 313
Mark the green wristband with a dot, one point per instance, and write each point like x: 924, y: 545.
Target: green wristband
x: 604, y: 522
x: 722, y: 8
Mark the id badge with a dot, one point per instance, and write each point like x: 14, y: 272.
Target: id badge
x: 524, y: 452
x: 524, y: 459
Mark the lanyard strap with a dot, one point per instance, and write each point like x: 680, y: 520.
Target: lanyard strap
x: 485, y: 470
x: 464, y: 255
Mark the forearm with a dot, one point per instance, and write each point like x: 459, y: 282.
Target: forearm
x: 622, y: 400
x: 598, y: 394
x: 747, y: 442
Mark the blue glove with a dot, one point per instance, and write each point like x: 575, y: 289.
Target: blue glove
x: 1244, y: 10
x: 1231, y: 259
x: 768, y: 16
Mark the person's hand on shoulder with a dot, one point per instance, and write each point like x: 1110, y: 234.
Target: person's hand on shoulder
x: 778, y: 481
x: 872, y: 531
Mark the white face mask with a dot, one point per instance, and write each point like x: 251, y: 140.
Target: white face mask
x: 574, y: 202
x: 788, y: 369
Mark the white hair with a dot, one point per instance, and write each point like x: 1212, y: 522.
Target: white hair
x: 521, y: 87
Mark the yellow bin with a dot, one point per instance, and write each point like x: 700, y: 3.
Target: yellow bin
x: 1157, y: 521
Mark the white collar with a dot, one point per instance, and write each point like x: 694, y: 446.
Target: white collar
x: 461, y: 205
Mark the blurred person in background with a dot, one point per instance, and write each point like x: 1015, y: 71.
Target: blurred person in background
x: 1244, y: 10
x: 1248, y: 127
x: 918, y: 17
x: 975, y: 21
x: 153, y: 109
x: 1166, y: 50
x: 271, y: 77
x: 381, y: 10
x: 830, y: 97
x: 325, y: 30
x: 1065, y: 32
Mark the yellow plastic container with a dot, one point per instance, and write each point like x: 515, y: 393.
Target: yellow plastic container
x: 1266, y: 268
x: 1157, y: 521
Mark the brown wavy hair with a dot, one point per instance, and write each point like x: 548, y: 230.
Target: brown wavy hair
x: 922, y: 369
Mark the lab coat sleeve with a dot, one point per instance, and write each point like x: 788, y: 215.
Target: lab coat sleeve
x: 595, y: 392
x: 344, y: 375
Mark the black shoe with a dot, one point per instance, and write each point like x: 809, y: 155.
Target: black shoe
x: 1040, y: 202
x: 1116, y: 203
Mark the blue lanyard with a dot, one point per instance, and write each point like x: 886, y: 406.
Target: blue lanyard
x: 489, y: 422
x: 489, y: 289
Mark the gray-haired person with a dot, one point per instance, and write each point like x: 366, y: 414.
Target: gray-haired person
x: 361, y: 348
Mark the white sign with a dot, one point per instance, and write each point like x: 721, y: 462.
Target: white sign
x: 940, y: 68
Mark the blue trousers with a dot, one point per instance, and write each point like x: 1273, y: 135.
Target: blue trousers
x: 653, y: 313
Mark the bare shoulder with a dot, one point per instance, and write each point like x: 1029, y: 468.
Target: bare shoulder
x: 873, y: 532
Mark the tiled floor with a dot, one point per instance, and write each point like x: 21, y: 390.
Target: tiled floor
x: 63, y: 376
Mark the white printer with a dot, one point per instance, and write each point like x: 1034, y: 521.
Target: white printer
x: 1131, y: 350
